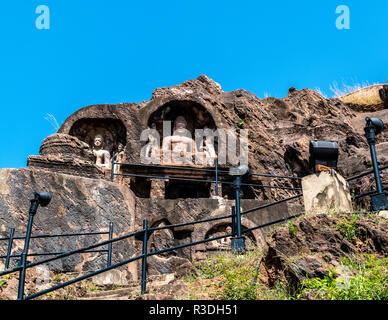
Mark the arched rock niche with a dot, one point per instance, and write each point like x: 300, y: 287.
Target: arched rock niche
x: 113, y: 131
x: 220, y: 229
x: 196, y: 115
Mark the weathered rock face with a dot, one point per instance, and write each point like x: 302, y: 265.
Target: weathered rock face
x: 64, y: 145
x: 279, y: 129
x: 383, y: 92
x: 63, y: 153
x: 78, y: 205
x: 326, y: 192
x: 82, y: 204
x: 164, y: 212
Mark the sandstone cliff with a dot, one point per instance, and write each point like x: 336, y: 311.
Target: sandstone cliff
x: 279, y: 129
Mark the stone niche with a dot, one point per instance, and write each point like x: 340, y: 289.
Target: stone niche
x: 224, y: 243
x: 196, y: 115
x: 73, y: 153
x: 112, y: 130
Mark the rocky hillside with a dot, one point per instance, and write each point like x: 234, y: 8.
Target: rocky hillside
x: 303, y: 259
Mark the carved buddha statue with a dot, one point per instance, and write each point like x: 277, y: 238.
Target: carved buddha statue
x: 119, y: 157
x: 178, y: 149
x: 102, y: 156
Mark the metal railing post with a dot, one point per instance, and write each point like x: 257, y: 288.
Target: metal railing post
x: 216, y: 177
x: 23, y: 262
x: 109, y: 259
x: 237, y: 185
x: 379, y: 200
x: 238, y: 243
x: 233, y: 220
x: 144, y: 259
x: 9, y: 250
x: 112, y: 172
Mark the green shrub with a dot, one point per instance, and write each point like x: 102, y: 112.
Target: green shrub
x: 212, y: 267
x: 368, y: 281
x: 4, y: 280
x: 234, y: 275
x: 347, y: 228
x: 240, y: 124
x: 236, y: 285
x: 292, y: 228
x: 279, y: 291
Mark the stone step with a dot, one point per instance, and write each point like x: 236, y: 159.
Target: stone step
x: 123, y: 291
x: 131, y: 289
x: 107, y: 297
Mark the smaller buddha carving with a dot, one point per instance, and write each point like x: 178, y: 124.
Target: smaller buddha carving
x: 223, y: 243
x: 102, y: 156
x: 152, y: 149
x: 119, y: 157
x: 226, y: 242
x: 206, y: 154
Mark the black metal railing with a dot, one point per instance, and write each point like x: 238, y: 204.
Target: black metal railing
x: 363, y: 174
x: 236, y: 233
x: 11, y: 238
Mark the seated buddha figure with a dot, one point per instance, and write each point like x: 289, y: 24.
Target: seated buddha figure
x: 178, y: 149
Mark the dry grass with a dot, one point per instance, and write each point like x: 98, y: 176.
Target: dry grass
x: 361, y: 94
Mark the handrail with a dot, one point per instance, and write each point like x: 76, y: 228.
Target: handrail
x: 365, y: 173
x: 69, y: 253
x: 271, y: 204
x: 12, y: 237
x: 365, y: 194
x: 65, y: 254
x: 169, y: 226
x: 57, y: 235
x: 119, y: 264
x: 144, y: 255
x: 48, y: 253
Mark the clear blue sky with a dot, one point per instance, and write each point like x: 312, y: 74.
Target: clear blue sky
x: 115, y: 51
